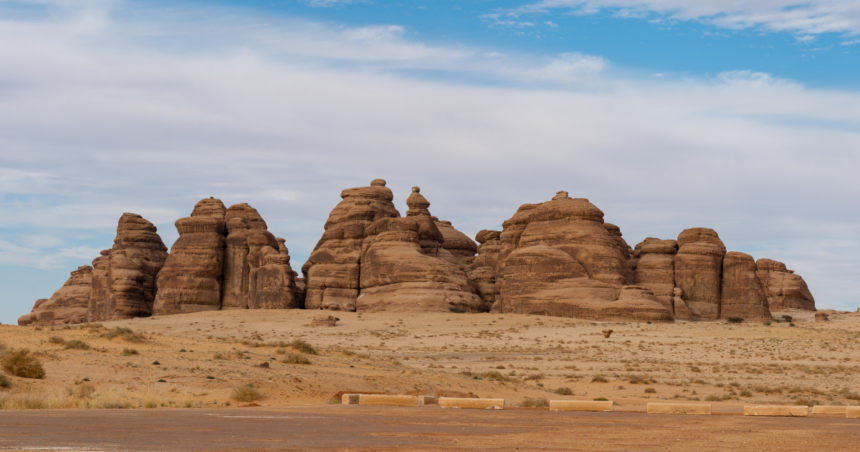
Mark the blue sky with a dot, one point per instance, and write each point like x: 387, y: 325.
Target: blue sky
x: 667, y: 114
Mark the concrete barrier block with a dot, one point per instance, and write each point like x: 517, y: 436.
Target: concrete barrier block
x: 350, y: 399
x: 852, y: 412
x: 480, y: 404
x: 388, y: 400
x: 580, y: 405
x: 827, y: 409
x: 776, y: 410
x: 679, y: 408
x: 428, y: 400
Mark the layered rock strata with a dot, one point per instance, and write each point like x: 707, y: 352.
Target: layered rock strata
x: 783, y: 288
x: 482, y: 268
x: 655, y: 269
x: 68, y: 305
x: 698, y: 271
x: 742, y: 294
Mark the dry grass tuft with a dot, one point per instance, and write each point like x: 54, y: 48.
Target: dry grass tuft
x: 20, y: 364
x: 246, y: 393
x: 294, y: 358
x: 77, y: 345
x: 303, y: 347
x: 538, y: 402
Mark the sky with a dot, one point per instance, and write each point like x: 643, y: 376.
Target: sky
x: 739, y: 116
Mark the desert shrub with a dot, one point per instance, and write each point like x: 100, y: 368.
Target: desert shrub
x: 601, y: 399
x: 735, y: 319
x: 712, y: 398
x: 281, y: 351
x: 85, y: 391
x: 218, y: 356
x: 695, y: 369
x: 303, y: 347
x: 599, y: 379
x: 564, y: 391
x: 4, y: 381
x: 746, y: 393
x: 456, y: 310
x: 56, y: 340
x: 246, y: 393
x: 129, y: 352
x: 735, y: 384
x: 538, y: 376
x: 20, y: 364
x: 650, y: 391
x: 77, y: 345
x: 787, y: 318
x: 127, y: 335
x: 495, y: 375
x: 845, y: 392
x: 807, y: 402
x: 294, y: 358
x: 539, y: 402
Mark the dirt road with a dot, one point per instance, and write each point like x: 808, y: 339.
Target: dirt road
x: 359, y: 428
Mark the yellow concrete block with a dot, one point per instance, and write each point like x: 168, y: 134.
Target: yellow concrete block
x: 580, y: 405
x: 388, y: 400
x: 679, y: 408
x: 350, y: 399
x: 852, y: 412
x: 428, y: 400
x: 826, y: 409
x: 480, y: 404
x: 776, y: 410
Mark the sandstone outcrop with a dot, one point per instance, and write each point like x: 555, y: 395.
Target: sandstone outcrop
x: 559, y: 259
x: 655, y: 269
x: 784, y: 289
x: 698, y: 270
x: 124, y: 277
x: 482, y: 273
x: 68, y: 305
x: 742, y: 294
x: 332, y: 270
x: 457, y: 243
x: 190, y: 280
x: 401, y: 269
x: 274, y: 282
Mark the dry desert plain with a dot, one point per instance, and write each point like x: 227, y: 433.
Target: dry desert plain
x: 192, y: 363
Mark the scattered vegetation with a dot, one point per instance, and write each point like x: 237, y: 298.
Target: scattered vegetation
x: 564, y: 391
x: 538, y: 402
x: 601, y: 399
x: 456, y: 310
x: 303, y: 347
x: 4, y: 381
x: 295, y: 358
x: 56, y: 340
x: 20, y: 364
x: 735, y: 320
x: 650, y: 391
x: 77, y: 345
x: 218, y: 356
x: 129, y: 352
x: 246, y: 393
x: 127, y: 335
x: 599, y: 379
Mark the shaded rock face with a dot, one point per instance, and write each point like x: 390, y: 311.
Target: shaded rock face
x: 124, y: 277
x: 698, y: 271
x: 244, y: 227
x: 742, y: 294
x: 623, y: 247
x: 783, y: 288
x: 191, y: 278
x: 275, y: 286
x: 559, y: 259
x: 655, y: 269
x: 482, y: 273
x: 332, y: 270
x: 68, y: 305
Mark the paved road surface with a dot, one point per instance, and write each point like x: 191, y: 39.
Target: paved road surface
x: 360, y: 428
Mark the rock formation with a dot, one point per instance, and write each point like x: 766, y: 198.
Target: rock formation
x: 655, y: 269
x: 68, y: 305
x: 124, y: 277
x: 559, y: 259
x: 332, y: 270
x: 274, y: 282
x: 247, y: 231
x: 742, y: 294
x: 784, y: 289
x: 698, y: 270
x: 682, y: 311
x: 401, y: 268
x: 457, y: 243
x: 482, y: 273
x: 190, y: 280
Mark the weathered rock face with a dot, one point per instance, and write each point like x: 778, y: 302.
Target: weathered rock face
x: 623, y: 247
x: 275, y: 284
x: 243, y: 222
x: 482, y: 273
x: 655, y: 269
x: 559, y: 259
x: 332, y: 270
x: 784, y: 289
x: 124, y: 277
x: 698, y: 271
x: 682, y: 311
x: 457, y: 243
x: 190, y: 280
x: 68, y: 305
x: 742, y: 294
x: 397, y: 275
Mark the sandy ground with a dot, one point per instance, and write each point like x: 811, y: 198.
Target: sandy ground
x: 202, y: 357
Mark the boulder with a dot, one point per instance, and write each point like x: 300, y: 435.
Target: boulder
x: 332, y: 270
x: 124, y: 277
x: 698, y: 271
x: 655, y: 268
x: 559, y: 259
x: 190, y: 280
x: 68, y: 305
x: 742, y: 294
x: 784, y: 289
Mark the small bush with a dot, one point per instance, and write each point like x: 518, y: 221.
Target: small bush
x: 129, y: 352
x: 538, y: 376
x: 787, y: 318
x: 539, y: 402
x: 85, y: 391
x: 4, y: 381
x: 246, y: 393
x: 218, y: 356
x: 456, y: 310
x: 77, y: 345
x: 735, y: 320
x: 127, y: 335
x: 495, y: 375
x: 712, y: 398
x: 20, y: 364
x: 599, y: 379
x: 746, y: 393
x: 161, y: 381
x: 56, y: 340
x: 303, y: 347
x: 601, y: 399
x: 281, y: 351
x: 156, y: 363
x: 564, y: 391
x: 650, y: 391
x: 294, y: 358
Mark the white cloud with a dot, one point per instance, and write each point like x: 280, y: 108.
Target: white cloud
x: 807, y: 17
x: 284, y: 118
